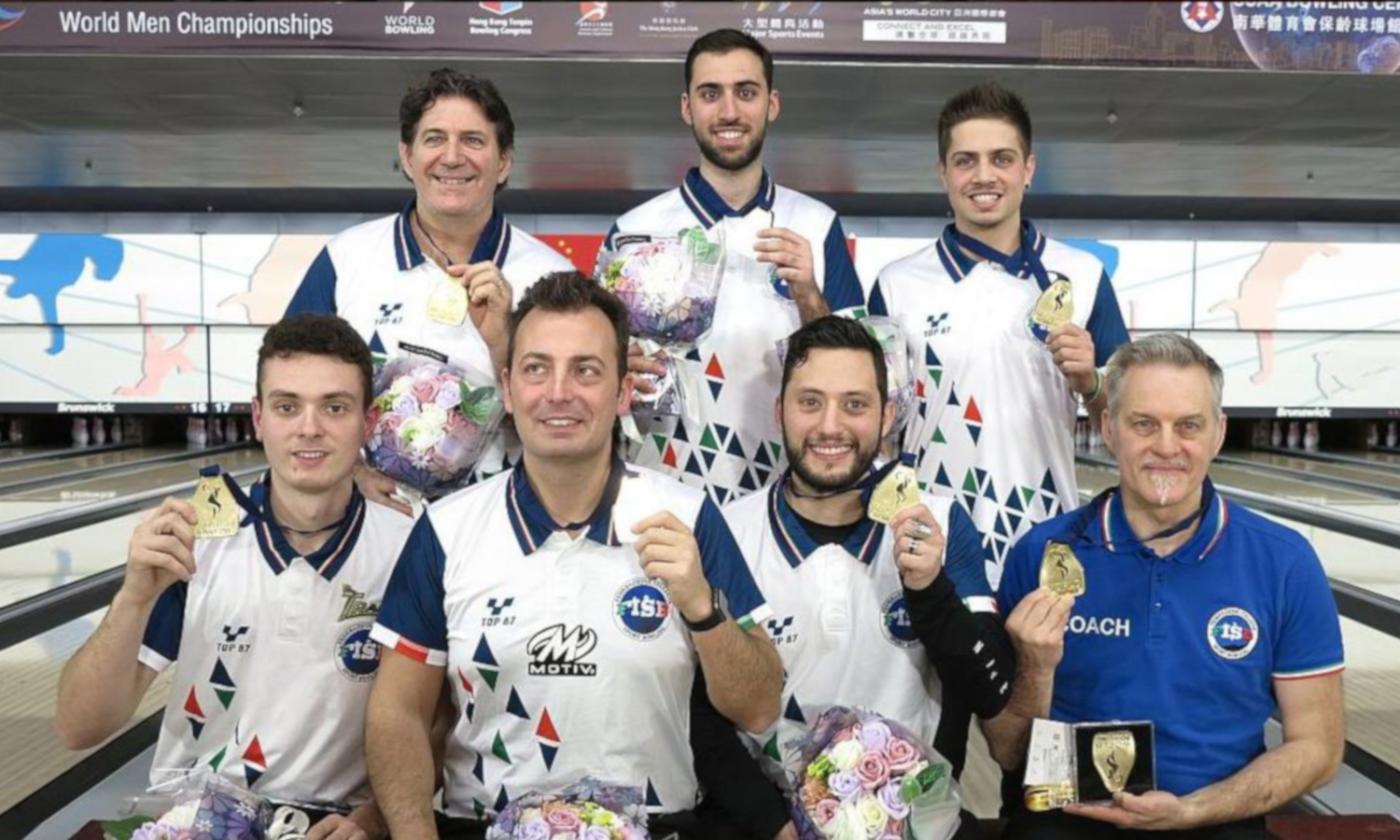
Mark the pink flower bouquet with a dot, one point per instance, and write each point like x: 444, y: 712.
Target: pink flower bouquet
x: 429, y: 423
x: 867, y: 778
x: 587, y: 810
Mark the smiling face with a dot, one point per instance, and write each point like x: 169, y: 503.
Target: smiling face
x: 986, y: 170
x: 728, y: 107
x: 1166, y: 431
x: 455, y: 161
x: 563, y: 388
x: 310, y: 417
x: 832, y: 419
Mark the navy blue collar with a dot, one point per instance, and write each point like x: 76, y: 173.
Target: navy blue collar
x: 1103, y: 523
x: 797, y: 545
x: 493, y: 244
x: 279, y: 554
x: 709, y: 208
x: 533, y: 524
x: 953, y: 247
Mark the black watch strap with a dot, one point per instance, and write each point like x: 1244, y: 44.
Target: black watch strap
x: 710, y: 622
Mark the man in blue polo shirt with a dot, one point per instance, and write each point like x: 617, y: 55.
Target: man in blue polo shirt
x: 735, y: 446
x: 567, y: 633
x: 1199, y: 615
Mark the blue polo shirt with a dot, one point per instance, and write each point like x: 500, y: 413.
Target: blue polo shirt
x: 1192, y: 641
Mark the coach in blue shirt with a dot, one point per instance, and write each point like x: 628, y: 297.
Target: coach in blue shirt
x: 1200, y: 615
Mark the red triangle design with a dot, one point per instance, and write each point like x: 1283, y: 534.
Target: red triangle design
x: 254, y: 754
x: 466, y: 684
x: 713, y: 370
x: 972, y: 415
x: 546, y: 728
x: 669, y: 459
x: 192, y: 704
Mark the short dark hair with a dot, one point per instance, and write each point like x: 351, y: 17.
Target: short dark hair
x: 446, y: 82
x: 572, y: 291
x: 832, y: 332
x: 989, y: 100
x: 317, y: 335
x: 724, y: 41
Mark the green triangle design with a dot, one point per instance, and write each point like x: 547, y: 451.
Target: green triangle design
x: 936, y: 374
x: 489, y: 675
x: 498, y: 749
x: 938, y: 435
x: 777, y: 450
x: 707, y: 439
x: 770, y: 749
x: 225, y: 697
x: 1027, y: 494
x: 218, y: 758
x: 969, y: 483
x: 478, y: 808
x: 660, y: 441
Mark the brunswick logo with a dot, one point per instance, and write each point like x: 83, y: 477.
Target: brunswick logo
x: 557, y: 651
x: 592, y: 12
x: 9, y: 18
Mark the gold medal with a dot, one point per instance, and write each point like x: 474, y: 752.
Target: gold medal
x: 1060, y: 570
x: 1114, y: 754
x: 1049, y: 797
x: 215, y: 509
x: 447, y: 304
x: 1055, y: 307
x: 897, y: 491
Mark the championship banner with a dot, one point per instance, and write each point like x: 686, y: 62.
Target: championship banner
x: 1342, y: 37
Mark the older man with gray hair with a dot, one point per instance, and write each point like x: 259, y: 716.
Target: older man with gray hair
x: 1194, y: 612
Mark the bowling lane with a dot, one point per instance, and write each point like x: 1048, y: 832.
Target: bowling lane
x: 1379, y: 477
x: 67, y: 494
x: 1298, y: 489
x: 32, y: 470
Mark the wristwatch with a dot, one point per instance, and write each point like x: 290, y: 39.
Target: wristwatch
x: 711, y: 621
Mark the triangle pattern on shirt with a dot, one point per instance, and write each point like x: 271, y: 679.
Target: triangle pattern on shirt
x: 502, y: 800
x: 794, y: 710
x: 515, y: 706
x: 486, y: 663
x: 479, y: 768
x: 652, y: 801
x: 498, y: 748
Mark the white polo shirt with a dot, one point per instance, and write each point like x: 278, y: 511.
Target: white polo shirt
x: 737, y: 446
x: 840, y: 621
x: 273, y: 657
x: 375, y: 276
x: 993, y: 423
x: 564, y: 660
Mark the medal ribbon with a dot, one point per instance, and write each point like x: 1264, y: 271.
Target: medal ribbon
x: 1024, y: 263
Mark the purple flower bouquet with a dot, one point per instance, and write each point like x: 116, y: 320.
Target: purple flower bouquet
x: 586, y: 810
x: 429, y: 423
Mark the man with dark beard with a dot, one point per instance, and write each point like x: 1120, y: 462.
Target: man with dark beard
x: 897, y: 618
x: 786, y: 264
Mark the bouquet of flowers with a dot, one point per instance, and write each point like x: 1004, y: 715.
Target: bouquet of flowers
x: 670, y: 285
x: 867, y: 777
x: 898, y: 372
x: 586, y: 810
x: 205, y: 806
x: 430, y: 422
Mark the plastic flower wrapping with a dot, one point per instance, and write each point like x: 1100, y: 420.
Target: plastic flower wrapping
x: 865, y: 777
x: 670, y: 285
x: 586, y: 810
x: 430, y: 423
x: 205, y: 806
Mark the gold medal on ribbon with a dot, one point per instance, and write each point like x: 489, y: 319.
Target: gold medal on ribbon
x: 215, y: 509
x: 1061, y: 571
x: 1055, y: 307
x: 1114, y: 754
x: 895, y: 492
x: 447, y: 304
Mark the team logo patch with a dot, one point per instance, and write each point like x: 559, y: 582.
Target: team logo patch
x: 389, y: 313
x: 1232, y: 633
x: 498, y: 609
x: 936, y: 325
x: 1202, y: 17
x: 641, y: 609
x: 780, y: 630
x: 356, y: 654
x: 559, y: 651
x: 898, y: 628
x: 356, y: 604
x: 237, y: 638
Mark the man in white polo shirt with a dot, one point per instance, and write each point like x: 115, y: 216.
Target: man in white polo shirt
x: 268, y: 629
x: 897, y: 619
x: 994, y: 425
x: 567, y: 650
x: 728, y: 102
x: 387, y: 277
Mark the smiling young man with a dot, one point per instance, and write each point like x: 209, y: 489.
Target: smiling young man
x: 267, y: 630
x: 899, y: 618
x: 729, y: 102
x: 1199, y: 615
x: 996, y: 427
x: 568, y: 650
x: 457, y: 147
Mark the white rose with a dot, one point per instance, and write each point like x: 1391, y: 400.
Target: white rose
x: 846, y: 754
x: 401, y: 385
x: 846, y: 825
x: 433, y: 416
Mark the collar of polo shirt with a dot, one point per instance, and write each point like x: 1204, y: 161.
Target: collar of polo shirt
x: 797, y: 545
x: 493, y: 244
x: 533, y: 524
x: 278, y: 552
x: 1103, y: 524
x: 709, y: 208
